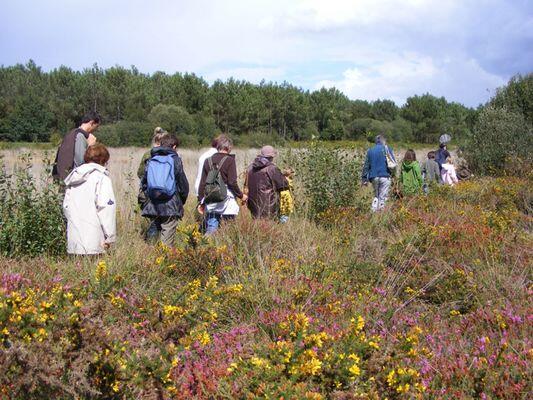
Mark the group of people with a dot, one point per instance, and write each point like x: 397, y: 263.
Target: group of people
x: 380, y: 168
x: 89, y: 203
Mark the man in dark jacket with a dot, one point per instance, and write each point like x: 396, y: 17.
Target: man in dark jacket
x: 72, y: 149
x: 167, y: 213
x: 264, y: 182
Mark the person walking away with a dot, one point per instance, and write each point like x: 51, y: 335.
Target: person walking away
x: 286, y: 206
x: 430, y: 172
x: 218, y: 188
x: 201, y: 160
x: 71, y: 151
x: 264, y: 183
x: 89, y: 205
x: 166, y: 188
x: 410, y: 176
x: 449, y: 177
x: 442, y: 155
x: 377, y: 171
x: 159, y: 133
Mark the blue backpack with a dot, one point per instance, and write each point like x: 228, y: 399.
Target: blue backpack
x: 161, y: 181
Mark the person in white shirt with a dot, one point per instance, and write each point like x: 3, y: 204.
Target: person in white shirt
x: 89, y: 205
x: 201, y: 160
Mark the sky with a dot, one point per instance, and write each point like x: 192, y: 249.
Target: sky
x: 369, y: 49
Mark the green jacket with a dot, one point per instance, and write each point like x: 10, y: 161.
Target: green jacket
x: 411, y: 178
x: 142, y: 165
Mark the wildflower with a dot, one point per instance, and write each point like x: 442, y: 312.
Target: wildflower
x: 101, y: 271
x: 159, y: 260
x: 354, y: 370
x: 454, y: 313
x: 359, y: 323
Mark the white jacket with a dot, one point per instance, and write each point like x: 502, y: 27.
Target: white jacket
x: 90, y: 209
x: 448, y: 174
x: 209, y: 153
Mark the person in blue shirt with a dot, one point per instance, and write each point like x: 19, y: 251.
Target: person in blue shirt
x: 375, y: 171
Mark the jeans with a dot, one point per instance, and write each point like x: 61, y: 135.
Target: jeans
x: 153, y: 230
x: 283, y: 219
x: 213, y: 221
x: 381, y: 193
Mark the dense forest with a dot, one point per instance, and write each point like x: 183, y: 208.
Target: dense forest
x: 39, y: 106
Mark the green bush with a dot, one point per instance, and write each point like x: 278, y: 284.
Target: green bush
x: 325, y: 177
x: 125, y: 133
x: 501, y: 138
x: 31, y: 218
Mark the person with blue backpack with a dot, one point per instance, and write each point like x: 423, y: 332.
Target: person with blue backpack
x: 378, y: 169
x: 166, y: 188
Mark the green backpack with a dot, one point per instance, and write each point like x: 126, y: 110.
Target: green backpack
x: 215, y: 188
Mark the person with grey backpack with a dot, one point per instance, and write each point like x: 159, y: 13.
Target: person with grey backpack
x: 218, y: 189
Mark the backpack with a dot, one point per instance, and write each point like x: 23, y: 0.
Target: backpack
x: 215, y: 188
x: 160, y: 177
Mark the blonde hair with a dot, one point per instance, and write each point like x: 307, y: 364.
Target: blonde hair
x: 159, y: 133
x: 288, y: 172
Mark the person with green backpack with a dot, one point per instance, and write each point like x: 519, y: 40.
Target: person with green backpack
x: 410, y: 175
x: 218, y: 189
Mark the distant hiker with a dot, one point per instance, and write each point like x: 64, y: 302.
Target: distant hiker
x: 159, y: 134
x: 218, y: 188
x: 166, y: 188
x: 448, y: 174
x: 286, y: 206
x: 264, y: 182
x: 410, y: 175
x: 430, y: 172
x: 89, y: 204
x: 378, y: 169
x: 72, y: 149
x: 442, y: 155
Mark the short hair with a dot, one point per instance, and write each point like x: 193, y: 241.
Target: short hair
x: 159, y: 133
x: 224, y: 143
x: 410, y: 155
x: 170, y: 141
x: 431, y: 155
x: 442, y: 145
x: 97, y: 153
x: 214, y: 141
x: 91, y: 116
x: 380, y: 139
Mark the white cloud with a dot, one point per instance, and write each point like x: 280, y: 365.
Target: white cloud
x: 404, y: 75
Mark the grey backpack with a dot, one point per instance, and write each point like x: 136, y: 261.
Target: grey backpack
x: 215, y: 188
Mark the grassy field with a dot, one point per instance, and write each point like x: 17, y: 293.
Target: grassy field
x: 430, y: 299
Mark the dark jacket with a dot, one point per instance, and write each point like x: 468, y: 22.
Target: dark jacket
x: 440, y: 157
x: 174, y: 206
x: 228, y: 173
x: 64, y: 162
x: 376, y: 163
x: 264, y: 182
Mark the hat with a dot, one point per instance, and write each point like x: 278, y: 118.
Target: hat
x: 268, y: 151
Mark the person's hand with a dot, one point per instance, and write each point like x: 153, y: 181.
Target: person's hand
x: 365, y: 183
x: 91, y: 140
x: 244, y: 198
x: 201, y: 209
x: 106, y: 245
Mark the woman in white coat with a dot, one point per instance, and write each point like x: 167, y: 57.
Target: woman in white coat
x: 89, y: 205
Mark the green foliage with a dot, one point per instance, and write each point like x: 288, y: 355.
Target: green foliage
x: 31, y: 218
x: 326, y: 178
x: 126, y: 133
x: 517, y: 96
x: 501, y: 138
x: 33, y: 104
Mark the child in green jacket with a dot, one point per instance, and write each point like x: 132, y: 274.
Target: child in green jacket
x: 410, y: 175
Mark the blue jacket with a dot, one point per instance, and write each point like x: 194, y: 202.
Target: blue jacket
x: 174, y: 206
x: 376, y: 163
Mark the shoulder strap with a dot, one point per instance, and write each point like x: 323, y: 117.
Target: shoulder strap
x: 210, y: 161
x: 222, y: 162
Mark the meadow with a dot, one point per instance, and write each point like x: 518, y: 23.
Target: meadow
x: 429, y: 299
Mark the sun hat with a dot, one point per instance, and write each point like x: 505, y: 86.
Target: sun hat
x: 268, y: 151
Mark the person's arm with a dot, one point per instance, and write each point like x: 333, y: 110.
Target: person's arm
x: 182, y: 184
x: 232, y: 178
x: 106, y: 209
x: 391, y: 153
x: 142, y: 165
x: 201, y: 187
x: 419, y: 174
x: 80, y: 146
x: 201, y: 161
x: 279, y: 181
x: 366, y: 169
